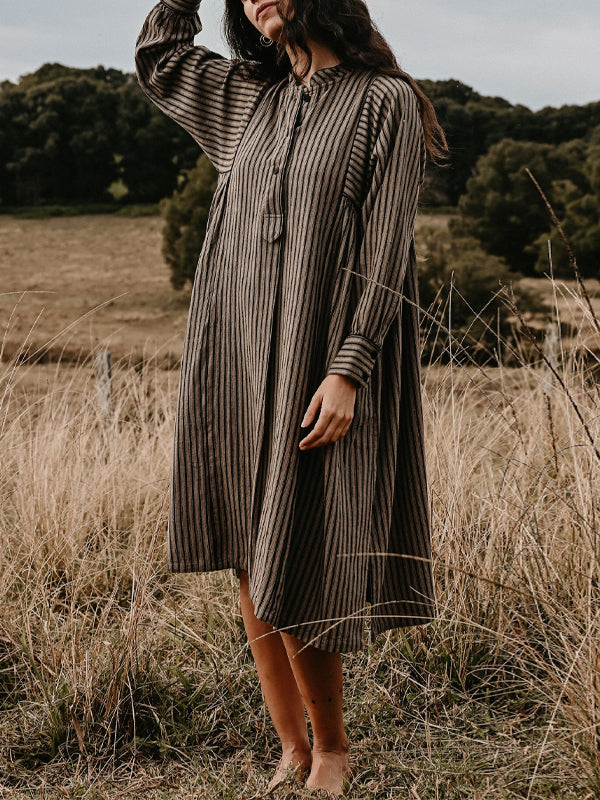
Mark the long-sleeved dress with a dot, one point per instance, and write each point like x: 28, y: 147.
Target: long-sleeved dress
x: 308, y: 268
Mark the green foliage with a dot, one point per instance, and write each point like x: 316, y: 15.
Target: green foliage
x: 461, y: 288
x: 186, y: 216
x: 501, y: 206
x: 503, y: 209
x: 474, y: 123
x: 580, y: 220
x: 70, y: 135
x: 50, y: 72
x: 62, y: 148
x: 153, y: 149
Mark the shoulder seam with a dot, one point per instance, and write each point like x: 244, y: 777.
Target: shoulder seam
x: 403, y: 91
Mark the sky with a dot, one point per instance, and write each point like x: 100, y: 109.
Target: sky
x: 534, y: 52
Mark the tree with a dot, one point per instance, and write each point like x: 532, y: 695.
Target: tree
x: 474, y: 123
x: 580, y: 220
x: 501, y: 206
x: 50, y: 72
x: 11, y: 110
x: 503, y: 209
x: 186, y: 216
x: 153, y: 150
x: 67, y: 134
x: 63, y: 142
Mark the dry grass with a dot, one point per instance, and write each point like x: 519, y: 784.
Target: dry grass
x: 105, y: 271
x: 119, y: 680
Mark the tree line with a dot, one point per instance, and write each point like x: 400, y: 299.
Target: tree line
x: 494, y: 146
x: 67, y: 135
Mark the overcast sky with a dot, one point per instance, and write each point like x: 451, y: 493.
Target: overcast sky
x: 535, y: 52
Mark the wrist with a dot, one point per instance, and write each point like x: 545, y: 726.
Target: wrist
x: 347, y: 378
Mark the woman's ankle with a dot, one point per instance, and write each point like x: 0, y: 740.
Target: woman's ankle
x: 300, y: 750
x: 340, y: 745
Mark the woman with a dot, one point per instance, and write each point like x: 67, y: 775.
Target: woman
x: 304, y: 312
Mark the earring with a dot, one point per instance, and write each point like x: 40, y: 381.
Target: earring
x: 265, y: 41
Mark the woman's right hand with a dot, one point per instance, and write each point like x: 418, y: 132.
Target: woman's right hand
x: 335, y: 397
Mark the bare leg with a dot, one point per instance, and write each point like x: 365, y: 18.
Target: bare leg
x: 279, y: 687
x: 318, y: 675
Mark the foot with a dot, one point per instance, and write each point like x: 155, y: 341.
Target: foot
x: 330, y: 771
x: 295, y: 764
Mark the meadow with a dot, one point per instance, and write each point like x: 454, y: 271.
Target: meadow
x: 119, y: 680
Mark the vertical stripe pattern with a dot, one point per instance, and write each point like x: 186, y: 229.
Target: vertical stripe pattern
x: 308, y: 268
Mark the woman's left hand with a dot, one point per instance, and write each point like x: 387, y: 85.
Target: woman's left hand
x: 335, y: 396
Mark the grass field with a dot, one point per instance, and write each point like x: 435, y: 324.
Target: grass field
x: 101, y: 279
x: 118, y: 680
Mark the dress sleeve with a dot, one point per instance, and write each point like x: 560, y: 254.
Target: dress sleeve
x: 390, y: 207
x: 206, y: 93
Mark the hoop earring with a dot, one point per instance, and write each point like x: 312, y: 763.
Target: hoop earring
x: 265, y: 41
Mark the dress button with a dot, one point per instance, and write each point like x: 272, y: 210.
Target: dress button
x: 275, y: 170
x: 305, y: 96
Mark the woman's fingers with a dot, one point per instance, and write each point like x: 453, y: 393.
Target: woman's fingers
x: 312, y: 409
x: 329, y: 428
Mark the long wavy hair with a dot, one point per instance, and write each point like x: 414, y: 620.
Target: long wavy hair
x: 346, y: 28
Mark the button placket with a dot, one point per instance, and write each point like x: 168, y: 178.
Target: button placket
x: 280, y: 168
x: 273, y: 218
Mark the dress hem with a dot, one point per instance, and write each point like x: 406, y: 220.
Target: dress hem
x: 329, y: 642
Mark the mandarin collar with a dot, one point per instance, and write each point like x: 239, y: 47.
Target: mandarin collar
x: 320, y: 77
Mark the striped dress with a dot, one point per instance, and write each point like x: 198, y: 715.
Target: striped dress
x: 308, y: 268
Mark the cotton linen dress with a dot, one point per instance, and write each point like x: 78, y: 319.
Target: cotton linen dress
x: 307, y: 268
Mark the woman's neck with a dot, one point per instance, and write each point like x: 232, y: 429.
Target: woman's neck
x: 321, y: 57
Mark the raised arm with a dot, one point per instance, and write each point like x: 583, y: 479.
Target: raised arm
x: 392, y: 201
x: 203, y: 91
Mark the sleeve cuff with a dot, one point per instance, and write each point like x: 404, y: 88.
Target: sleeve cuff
x: 189, y: 7
x: 355, y: 358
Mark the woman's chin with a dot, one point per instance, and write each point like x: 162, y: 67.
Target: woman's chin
x: 273, y: 31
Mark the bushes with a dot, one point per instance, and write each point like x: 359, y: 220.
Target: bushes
x: 186, y: 216
x: 461, y: 288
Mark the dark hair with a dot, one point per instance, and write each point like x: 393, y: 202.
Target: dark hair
x: 346, y: 28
